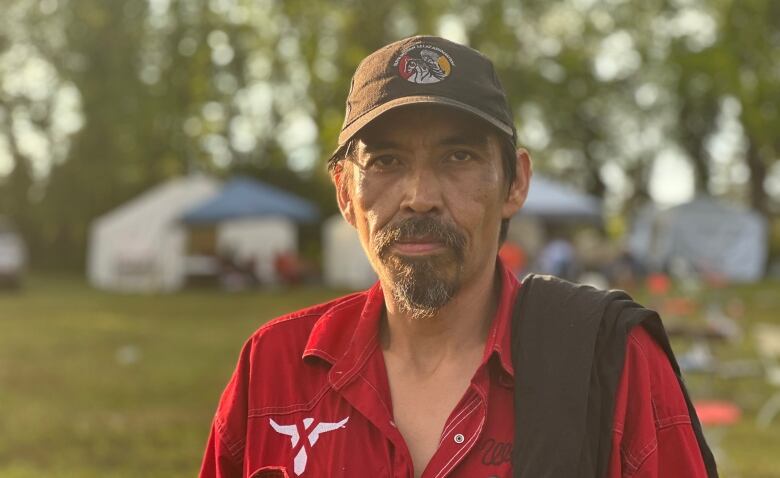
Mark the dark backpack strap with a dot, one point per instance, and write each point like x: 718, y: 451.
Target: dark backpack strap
x: 553, y: 357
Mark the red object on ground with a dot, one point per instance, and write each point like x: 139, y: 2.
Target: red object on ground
x: 716, y: 412
x: 658, y: 284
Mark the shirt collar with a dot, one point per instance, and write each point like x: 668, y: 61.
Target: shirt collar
x: 347, y: 328
x: 500, y: 335
x: 331, y: 341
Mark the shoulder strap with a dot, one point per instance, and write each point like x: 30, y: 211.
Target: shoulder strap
x: 554, y: 330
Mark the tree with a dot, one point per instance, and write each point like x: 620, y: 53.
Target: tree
x: 151, y: 90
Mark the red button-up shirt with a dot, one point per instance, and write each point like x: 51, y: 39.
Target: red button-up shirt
x: 310, y: 397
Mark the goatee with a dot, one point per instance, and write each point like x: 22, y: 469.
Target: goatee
x: 422, y: 285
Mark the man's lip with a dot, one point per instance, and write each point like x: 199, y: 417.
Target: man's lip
x: 418, y: 240
x: 417, y: 247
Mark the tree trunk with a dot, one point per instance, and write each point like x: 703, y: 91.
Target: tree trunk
x: 759, y: 199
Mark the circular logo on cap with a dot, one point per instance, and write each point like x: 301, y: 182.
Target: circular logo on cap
x: 424, y: 64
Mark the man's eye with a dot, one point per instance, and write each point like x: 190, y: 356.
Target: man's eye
x: 461, y: 156
x: 383, y: 162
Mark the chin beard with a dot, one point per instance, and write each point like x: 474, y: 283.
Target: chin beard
x: 421, y: 286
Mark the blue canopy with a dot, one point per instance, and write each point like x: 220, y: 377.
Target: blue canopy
x: 244, y: 197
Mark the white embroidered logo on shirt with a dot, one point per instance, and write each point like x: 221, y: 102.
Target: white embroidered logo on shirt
x: 312, y: 434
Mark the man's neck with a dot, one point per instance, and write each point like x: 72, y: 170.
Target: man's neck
x: 461, y: 326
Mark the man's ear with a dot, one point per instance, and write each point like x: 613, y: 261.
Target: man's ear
x: 341, y: 180
x: 518, y: 190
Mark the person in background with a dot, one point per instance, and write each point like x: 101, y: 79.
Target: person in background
x: 557, y: 257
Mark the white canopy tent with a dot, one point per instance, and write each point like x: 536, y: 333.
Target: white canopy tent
x: 255, y: 222
x: 707, y: 234
x: 141, y: 246
x: 551, y: 200
x: 344, y: 263
x: 258, y: 240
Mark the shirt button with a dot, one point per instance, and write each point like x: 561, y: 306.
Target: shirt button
x: 459, y: 438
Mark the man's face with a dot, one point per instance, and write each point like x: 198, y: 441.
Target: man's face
x: 426, y: 193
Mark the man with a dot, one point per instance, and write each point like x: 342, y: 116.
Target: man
x: 415, y: 377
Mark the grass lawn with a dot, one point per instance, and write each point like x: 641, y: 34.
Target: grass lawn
x: 107, y: 385
x: 96, y: 385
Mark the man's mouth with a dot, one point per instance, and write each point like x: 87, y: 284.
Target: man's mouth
x: 418, y: 246
x: 421, y: 237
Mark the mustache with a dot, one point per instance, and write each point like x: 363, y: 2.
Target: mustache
x: 420, y: 227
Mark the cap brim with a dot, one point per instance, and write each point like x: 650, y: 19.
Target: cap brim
x: 362, y: 121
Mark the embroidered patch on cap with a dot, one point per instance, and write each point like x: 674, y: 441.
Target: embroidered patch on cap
x: 424, y: 63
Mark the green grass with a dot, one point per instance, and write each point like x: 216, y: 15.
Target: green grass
x: 70, y: 406
x: 746, y: 451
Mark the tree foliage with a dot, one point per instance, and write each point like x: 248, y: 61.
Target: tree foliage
x: 99, y: 100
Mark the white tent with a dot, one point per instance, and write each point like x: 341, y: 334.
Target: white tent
x: 259, y: 240
x: 255, y: 222
x: 141, y: 246
x: 551, y: 200
x: 344, y: 263
x: 707, y: 234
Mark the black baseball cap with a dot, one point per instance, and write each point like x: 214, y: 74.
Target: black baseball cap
x: 425, y: 70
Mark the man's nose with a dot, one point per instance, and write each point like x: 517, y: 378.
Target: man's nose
x: 423, y: 191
